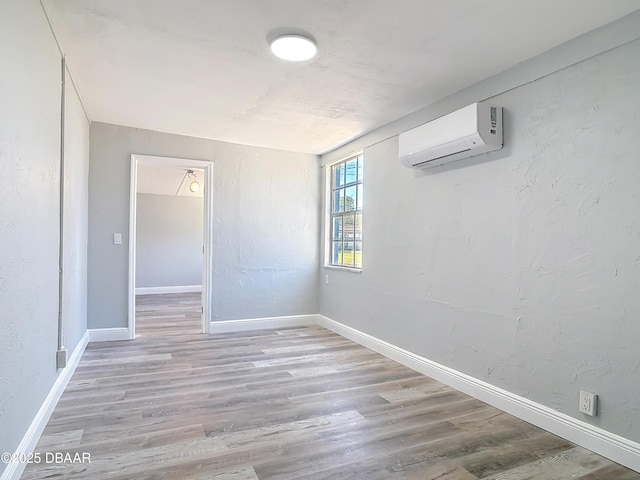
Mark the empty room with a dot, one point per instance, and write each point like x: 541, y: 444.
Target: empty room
x: 331, y: 239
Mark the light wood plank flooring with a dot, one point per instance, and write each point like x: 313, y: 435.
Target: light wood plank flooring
x: 168, y: 315
x: 295, y: 403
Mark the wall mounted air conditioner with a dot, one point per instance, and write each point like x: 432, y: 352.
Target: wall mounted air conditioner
x: 470, y: 131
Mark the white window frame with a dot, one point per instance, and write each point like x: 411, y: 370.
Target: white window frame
x: 358, y: 210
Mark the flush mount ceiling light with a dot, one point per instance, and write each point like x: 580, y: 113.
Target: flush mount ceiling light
x: 294, y: 48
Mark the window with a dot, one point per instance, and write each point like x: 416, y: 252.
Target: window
x: 346, y: 212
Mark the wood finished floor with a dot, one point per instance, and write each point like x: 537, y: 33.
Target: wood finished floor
x: 295, y: 403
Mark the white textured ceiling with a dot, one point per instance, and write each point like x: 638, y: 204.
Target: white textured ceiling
x: 203, y: 67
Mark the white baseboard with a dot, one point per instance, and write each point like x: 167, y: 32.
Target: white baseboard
x: 171, y: 289
x: 607, y: 444
x: 261, y: 323
x: 108, y: 334
x: 31, y: 438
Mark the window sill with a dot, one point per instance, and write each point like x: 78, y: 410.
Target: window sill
x: 346, y: 269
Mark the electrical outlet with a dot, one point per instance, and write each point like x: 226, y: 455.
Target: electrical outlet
x: 588, y: 403
x: 326, y: 279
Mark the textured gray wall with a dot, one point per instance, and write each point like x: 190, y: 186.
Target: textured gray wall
x: 265, y: 239
x: 169, y: 240
x: 520, y: 268
x: 29, y: 232
x: 76, y: 198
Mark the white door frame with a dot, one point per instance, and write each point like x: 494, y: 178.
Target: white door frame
x: 207, y: 267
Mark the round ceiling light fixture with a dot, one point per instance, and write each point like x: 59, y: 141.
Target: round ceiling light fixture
x: 294, y: 48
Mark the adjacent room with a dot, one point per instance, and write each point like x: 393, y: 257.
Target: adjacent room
x: 338, y: 239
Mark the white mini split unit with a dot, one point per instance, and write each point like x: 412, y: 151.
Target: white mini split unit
x: 470, y: 131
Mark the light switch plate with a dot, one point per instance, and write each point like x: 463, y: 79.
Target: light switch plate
x: 117, y: 239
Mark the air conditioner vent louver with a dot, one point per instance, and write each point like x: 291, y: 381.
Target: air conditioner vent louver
x: 443, y: 157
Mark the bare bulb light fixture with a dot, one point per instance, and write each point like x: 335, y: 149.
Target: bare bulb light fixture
x: 293, y: 47
x: 194, y: 185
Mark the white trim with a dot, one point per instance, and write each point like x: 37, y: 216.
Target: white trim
x: 262, y: 323
x: 207, y: 237
x: 31, y: 438
x: 326, y: 205
x: 344, y: 269
x: 327, y: 199
x: 133, y: 208
x: 607, y: 444
x: 207, y: 254
x: 170, y: 289
x: 108, y: 334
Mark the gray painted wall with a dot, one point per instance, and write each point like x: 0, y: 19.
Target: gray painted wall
x: 169, y: 240
x: 521, y: 267
x: 266, y: 221
x: 29, y: 179
x: 76, y: 201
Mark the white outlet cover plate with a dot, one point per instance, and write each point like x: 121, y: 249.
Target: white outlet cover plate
x: 588, y: 403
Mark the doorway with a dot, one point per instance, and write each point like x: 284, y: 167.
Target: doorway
x: 204, y: 171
